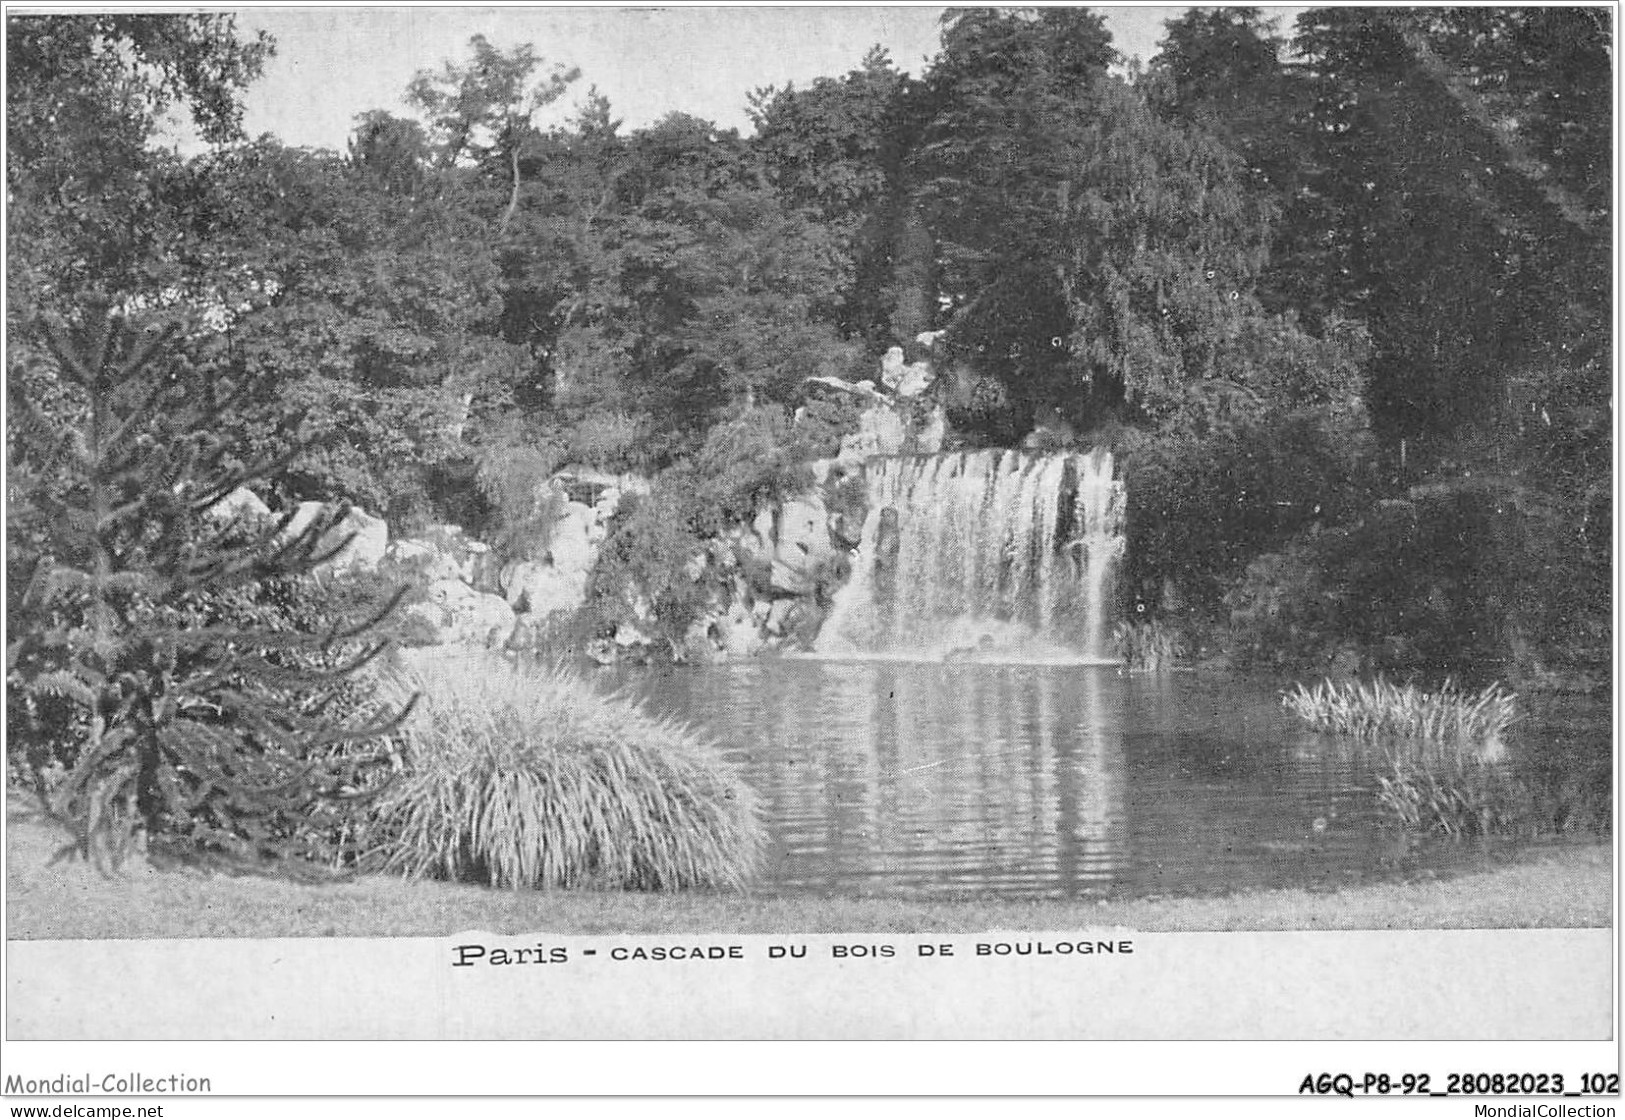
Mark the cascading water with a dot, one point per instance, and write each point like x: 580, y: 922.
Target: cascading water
x: 983, y: 552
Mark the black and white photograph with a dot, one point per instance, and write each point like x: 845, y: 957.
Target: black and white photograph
x: 588, y: 524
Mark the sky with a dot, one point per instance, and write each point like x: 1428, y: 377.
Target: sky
x: 333, y: 64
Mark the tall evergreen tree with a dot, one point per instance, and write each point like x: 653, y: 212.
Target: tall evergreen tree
x: 159, y: 691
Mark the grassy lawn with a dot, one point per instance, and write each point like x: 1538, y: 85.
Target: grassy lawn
x: 1559, y: 887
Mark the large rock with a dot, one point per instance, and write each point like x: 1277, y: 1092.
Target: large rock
x: 880, y: 432
x: 892, y: 367
x: 304, y: 515
x: 556, y: 580
x: 803, y: 546
x: 738, y: 632
x: 427, y: 560
x: 240, y: 503
x: 455, y: 612
x: 906, y: 379
x: 369, y: 541
x: 778, y: 616
x: 368, y: 536
x: 570, y: 542
x: 752, y: 546
x: 916, y: 379
x: 541, y: 589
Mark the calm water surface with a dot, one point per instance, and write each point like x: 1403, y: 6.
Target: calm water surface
x: 911, y: 779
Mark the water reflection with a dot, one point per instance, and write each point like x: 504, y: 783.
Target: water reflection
x: 928, y: 779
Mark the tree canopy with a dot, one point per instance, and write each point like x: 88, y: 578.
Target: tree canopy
x: 1390, y: 225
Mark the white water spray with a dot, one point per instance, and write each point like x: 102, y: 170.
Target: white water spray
x: 983, y: 553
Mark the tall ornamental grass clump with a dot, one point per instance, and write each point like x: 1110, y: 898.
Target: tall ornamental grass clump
x: 1379, y: 709
x: 526, y: 778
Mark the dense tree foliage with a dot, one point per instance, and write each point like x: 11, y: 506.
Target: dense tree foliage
x: 84, y: 95
x: 1294, y: 273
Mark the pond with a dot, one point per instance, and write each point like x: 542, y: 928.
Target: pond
x: 930, y: 780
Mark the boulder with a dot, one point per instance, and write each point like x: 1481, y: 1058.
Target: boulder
x: 304, y: 514
x: 865, y: 388
x: 738, y: 632
x: 846, y: 529
x: 803, y: 545
x: 425, y: 558
x: 541, y: 589
x: 790, y: 579
x: 752, y: 547
x: 628, y: 636
x: 762, y: 524
x: 486, y: 571
x: 455, y: 612
x: 698, y: 643
x: 880, y: 432
x: 892, y: 367
x: 369, y: 541
x: 569, y: 542
x: 526, y: 631
x: 802, y: 623
x: 368, y: 536
x: 778, y: 615
x: 915, y: 379
x: 240, y: 503
x: 804, y: 528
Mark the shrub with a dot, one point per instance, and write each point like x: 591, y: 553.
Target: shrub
x: 642, y: 574
x: 747, y: 461
x: 610, y: 441
x: 1201, y: 506
x: 1280, y: 612
x: 526, y: 778
x: 513, y: 479
x: 823, y: 422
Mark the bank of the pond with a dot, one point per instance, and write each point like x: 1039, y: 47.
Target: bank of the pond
x: 1558, y: 887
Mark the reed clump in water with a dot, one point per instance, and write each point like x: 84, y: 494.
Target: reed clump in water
x: 1148, y: 647
x: 1379, y: 710
x: 1442, y: 752
x: 1457, y: 793
x: 526, y: 778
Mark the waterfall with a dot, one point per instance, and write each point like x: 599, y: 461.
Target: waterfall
x: 983, y: 552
